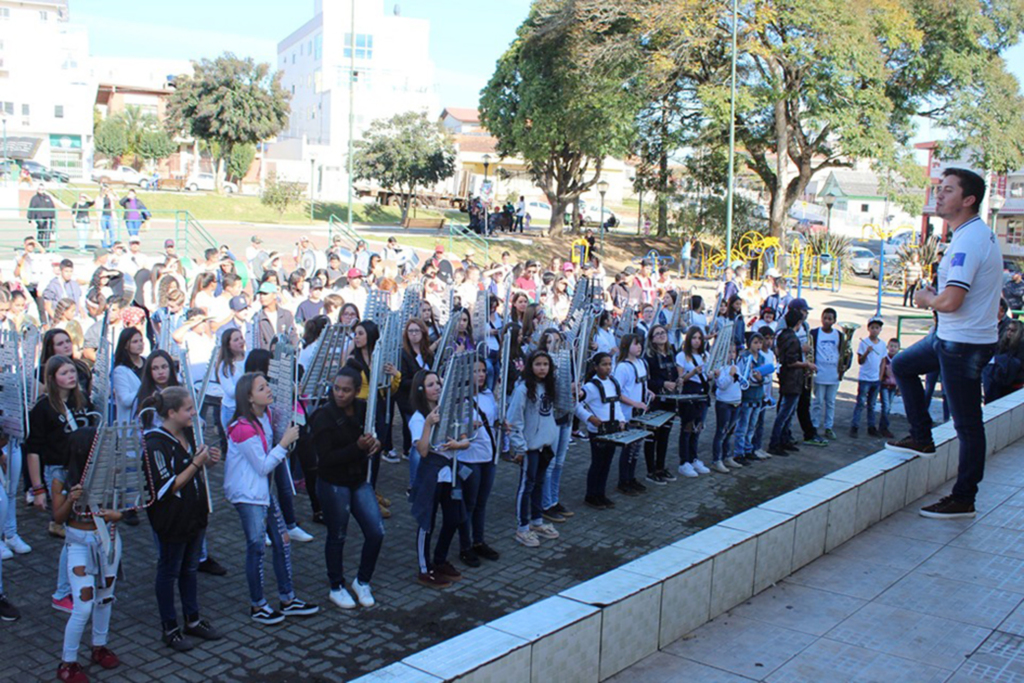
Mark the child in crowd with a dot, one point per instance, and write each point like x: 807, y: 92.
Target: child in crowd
x: 827, y: 342
x: 752, y: 399
x: 869, y: 355
x: 690, y: 363
x: 601, y: 411
x: 888, y: 387
x: 631, y: 373
x: 728, y: 395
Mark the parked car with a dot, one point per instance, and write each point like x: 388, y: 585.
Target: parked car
x: 538, y: 210
x: 40, y: 172
x: 893, y: 244
x: 892, y: 264
x: 121, y: 175
x: 591, y: 212
x: 860, y: 260
x: 207, y: 182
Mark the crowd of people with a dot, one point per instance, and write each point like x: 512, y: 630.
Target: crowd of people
x: 754, y: 358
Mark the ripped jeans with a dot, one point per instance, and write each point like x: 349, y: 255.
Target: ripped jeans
x: 92, y: 585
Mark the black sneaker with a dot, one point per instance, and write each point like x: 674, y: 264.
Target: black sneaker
x: 299, y: 608
x: 779, y: 451
x: 177, y: 641
x: 318, y: 518
x: 594, y: 502
x: 553, y: 515
x: 564, y: 511
x: 947, y: 508
x: 853, y: 432
x: 666, y: 475
x: 872, y: 431
x: 791, y: 447
x: 202, y: 629
x: 266, y: 615
x: 470, y: 559
x: 909, y: 445
x: 8, y: 612
x: 607, y: 502
x: 485, y: 551
x: 656, y: 479
x: 627, y: 490
x: 212, y: 567
x: 637, y: 486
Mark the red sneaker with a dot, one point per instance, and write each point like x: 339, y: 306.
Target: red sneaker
x: 65, y: 604
x: 71, y: 673
x: 104, y: 657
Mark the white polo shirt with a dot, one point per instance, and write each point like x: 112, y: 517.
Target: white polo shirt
x: 972, y: 262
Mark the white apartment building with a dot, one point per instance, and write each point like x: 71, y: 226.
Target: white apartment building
x: 46, y: 98
x: 393, y: 74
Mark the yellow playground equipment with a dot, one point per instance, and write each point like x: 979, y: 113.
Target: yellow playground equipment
x: 753, y: 248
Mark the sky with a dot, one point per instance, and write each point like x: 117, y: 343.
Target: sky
x: 467, y: 36
x: 465, y: 41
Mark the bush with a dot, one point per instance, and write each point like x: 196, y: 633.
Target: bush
x: 280, y: 194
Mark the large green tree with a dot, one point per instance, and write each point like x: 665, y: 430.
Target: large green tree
x: 563, y: 111
x: 110, y: 138
x: 154, y: 145
x: 404, y: 152
x: 229, y: 101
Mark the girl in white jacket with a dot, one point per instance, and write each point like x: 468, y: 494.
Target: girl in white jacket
x: 126, y: 377
x: 250, y: 461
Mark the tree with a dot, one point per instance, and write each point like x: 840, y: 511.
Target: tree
x: 155, y: 144
x: 230, y: 101
x: 110, y: 139
x: 280, y: 194
x: 136, y: 124
x: 404, y: 152
x: 240, y: 160
x: 562, y: 114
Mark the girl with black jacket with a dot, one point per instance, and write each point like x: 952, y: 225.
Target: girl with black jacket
x: 416, y: 356
x: 179, y: 512
x: 661, y: 363
x: 344, y: 450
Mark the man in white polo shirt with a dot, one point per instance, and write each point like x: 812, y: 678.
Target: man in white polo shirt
x: 963, y: 341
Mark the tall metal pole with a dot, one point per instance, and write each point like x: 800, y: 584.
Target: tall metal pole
x: 351, y: 107
x: 732, y: 135
x: 312, y: 197
x: 602, y: 224
x: 7, y: 173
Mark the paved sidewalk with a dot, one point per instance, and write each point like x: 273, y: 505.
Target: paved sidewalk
x: 910, y: 600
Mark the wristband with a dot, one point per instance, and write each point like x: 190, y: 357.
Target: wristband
x: 38, y: 490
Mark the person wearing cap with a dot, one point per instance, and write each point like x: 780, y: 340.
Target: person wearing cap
x: 803, y: 410
x: 780, y: 298
x: 196, y: 335
x: 239, y: 307
x: 134, y: 260
x: 80, y: 214
x: 334, y: 272
x: 314, y: 303
x: 645, y: 282
x: 793, y: 369
x: 135, y: 212
x: 393, y: 252
x: 870, y: 354
x: 273, y: 320
x: 467, y: 260
x: 63, y: 286
x: 169, y: 249
x: 438, y: 256
x: 42, y: 212
x: 354, y: 292
x: 254, y: 249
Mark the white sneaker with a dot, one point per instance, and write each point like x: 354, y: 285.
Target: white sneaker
x: 342, y: 598
x: 363, y: 594
x: 266, y: 540
x: 544, y: 530
x: 5, y: 552
x: 701, y: 467
x: 19, y: 546
x: 391, y: 456
x: 719, y: 466
x: 300, y: 535
x: 528, y: 538
x: 686, y: 469
x: 762, y: 454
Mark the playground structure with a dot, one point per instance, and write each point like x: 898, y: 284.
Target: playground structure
x: 794, y: 257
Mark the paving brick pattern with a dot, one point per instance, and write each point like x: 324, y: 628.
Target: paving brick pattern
x: 337, y: 645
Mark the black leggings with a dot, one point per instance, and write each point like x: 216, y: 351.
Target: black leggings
x: 656, y: 449
x: 449, y: 527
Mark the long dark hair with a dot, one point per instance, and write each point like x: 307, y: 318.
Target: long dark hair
x: 48, y: 342
x: 428, y: 356
x: 225, y: 361
x: 594, y: 362
x: 149, y: 387
x: 624, y: 344
x: 121, y: 356
x: 372, y: 335
x: 76, y: 400
x: 163, y: 402
x: 688, y: 342
x: 532, y: 381
x: 652, y: 350
x: 243, y: 404
x: 312, y: 328
x: 419, y: 395
x: 258, y: 361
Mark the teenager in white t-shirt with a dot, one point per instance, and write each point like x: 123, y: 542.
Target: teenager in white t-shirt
x: 870, y: 353
x: 827, y: 341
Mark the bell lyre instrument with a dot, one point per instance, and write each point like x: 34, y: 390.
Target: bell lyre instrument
x: 655, y: 419
x: 14, y: 398
x: 456, y: 408
x: 846, y: 347
x: 325, y: 363
x: 378, y: 305
x: 565, y: 397
x: 283, y: 377
x: 624, y: 437
x: 197, y: 423
x: 101, y: 395
x: 626, y: 323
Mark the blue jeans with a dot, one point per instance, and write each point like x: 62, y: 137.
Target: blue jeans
x: 757, y: 436
x: 886, y: 395
x: 783, y: 415
x: 133, y: 227
x: 63, y: 590
x: 531, y: 479
x: 82, y: 231
x: 107, y: 223
x: 285, y: 493
x: 931, y: 379
x: 823, y: 410
x: 692, y: 417
x: 178, y: 562
x: 867, y: 393
x: 960, y: 366
x: 553, y: 478
x: 725, y: 423
x: 336, y: 503
x: 627, y: 461
x: 257, y: 521
x: 476, y: 490
x: 746, y: 421
x: 9, y: 520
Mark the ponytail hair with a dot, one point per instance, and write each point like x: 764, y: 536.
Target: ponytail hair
x: 592, y: 364
x: 163, y: 402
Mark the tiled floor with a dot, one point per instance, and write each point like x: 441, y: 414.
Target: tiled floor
x: 909, y: 600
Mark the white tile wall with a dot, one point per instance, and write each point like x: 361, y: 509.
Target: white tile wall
x: 809, y: 539
x: 894, y: 490
x: 774, y: 555
x: 842, y: 519
x: 572, y: 655
x: 629, y: 630
x: 954, y: 458
x: 869, y: 503
x: 685, y: 602
x: 917, y: 478
x: 479, y: 651
x: 398, y: 673
x: 732, y: 579
x: 938, y: 466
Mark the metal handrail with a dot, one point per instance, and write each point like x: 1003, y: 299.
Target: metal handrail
x: 457, y: 231
x: 337, y: 225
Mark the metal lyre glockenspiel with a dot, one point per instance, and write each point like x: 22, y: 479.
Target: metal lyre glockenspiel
x: 456, y: 408
x: 653, y: 420
x: 325, y: 363
x: 623, y: 438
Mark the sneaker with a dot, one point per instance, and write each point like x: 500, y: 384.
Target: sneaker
x: 733, y: 462
x: 791, y: 447
x: 700, y: 467
x: 266, y: 540
x: 872, y: 431
x: 667, y: 476
x: 627, y: 490
x: 757, y: 455
x: 5, y: 553
x: 607, y: 502
x: 130, y: 517
x: 381, y: 500
x: 687, y: 470
x: 299, y: 608
x: 212, y: 567
x: 853, y: 432
x: 405, y: 455
x: 762, y: 454
x: 447, y: 570
x: 342, y: 598
x: 886, y: 433
x: 655, y: 478
x: 65, y: 604
x: 71, y: 673
x: 553, y: 515
x: 564, y: 511
x: 636, y: 486
x: 176, y: 640
x: 544, y: 531
x: 909, y: 445
x: 830, y: 435
x: 300, y: 535
x: 779, y: 451
x: 19, y: 546
x: 202, y: 629
x: 391, y: 457
x: 470, y: 559
x: 528, y: 538
x: 55, y: 530
x: 816, y: 441
x: 265, y: 615
x: 8, y: 612
x: 594, y: 502
x: 318, y: 518
x: 432, y: 580
x: 363, y: 594
x: 947, y: 508
x: 485, y: 551
x: 719, y: 466
x: 104, y: 657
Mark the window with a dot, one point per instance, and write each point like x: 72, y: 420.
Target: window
x: 309, y: 47
x: 318, y: 46
x: 318, y: 81
x: 293, y: 57
x: 293, y: 89
x: 864, y: 208
x: 8, y: 108
x: 5, y: 12
x: 58, y: 111
x: 43, y: 15
x: 1015, y: 231
x: 1017, y: 189
x: 364, y: 46
x: 67, y: 160
x: 25, y: 110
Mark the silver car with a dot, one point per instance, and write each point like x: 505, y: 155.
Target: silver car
x: 860, y: 260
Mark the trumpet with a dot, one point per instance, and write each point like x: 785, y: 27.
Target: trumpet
x: 809, y: 357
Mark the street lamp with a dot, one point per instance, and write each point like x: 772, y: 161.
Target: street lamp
x: 829, y: 200
x: 996, y: 204
x: 312, y: 171
x: 602, y: 188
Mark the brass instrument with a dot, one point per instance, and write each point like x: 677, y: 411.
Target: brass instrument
x: 809, y: 358
x: 846, y: 347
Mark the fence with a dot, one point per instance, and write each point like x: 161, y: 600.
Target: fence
x: 462, y: 235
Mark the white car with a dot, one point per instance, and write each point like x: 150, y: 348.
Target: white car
x: 860, y: 260
x: 206, y: 181
x: 121, y: 175
x: 538, y: 210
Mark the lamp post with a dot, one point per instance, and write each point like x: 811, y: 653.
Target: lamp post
x: 312, y: 172
x: 996, y: 204
x: 732, y: 134
x: 829, y: 200
x: 487, y: 163
x: 602, y: 188
x: 351, y: 108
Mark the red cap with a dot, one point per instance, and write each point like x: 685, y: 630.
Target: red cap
x: 439, y: 249
x: 354, y: 273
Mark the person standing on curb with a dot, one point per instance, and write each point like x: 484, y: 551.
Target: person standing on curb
x: 962, y: 341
